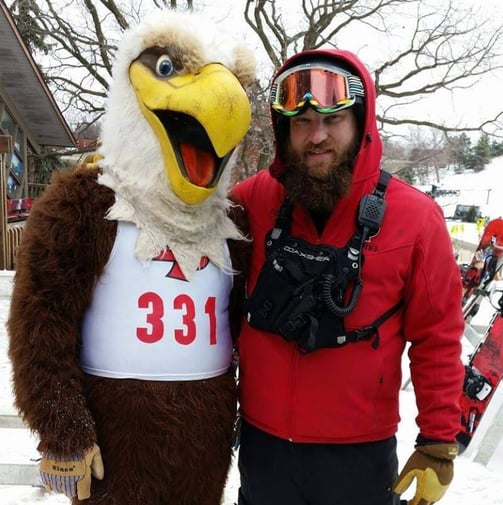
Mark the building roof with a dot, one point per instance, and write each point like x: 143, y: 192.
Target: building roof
x: 23, y: 85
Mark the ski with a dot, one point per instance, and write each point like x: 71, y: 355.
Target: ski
x: 483, y: 373
x: 477, y: 276
x: 484, y: 267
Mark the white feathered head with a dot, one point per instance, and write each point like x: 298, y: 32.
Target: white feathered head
x: 177, y: 108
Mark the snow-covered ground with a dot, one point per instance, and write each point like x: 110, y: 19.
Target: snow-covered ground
x: 473, y: 484
x: 475, y: 188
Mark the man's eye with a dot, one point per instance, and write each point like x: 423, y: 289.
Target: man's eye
x: 164, y: 66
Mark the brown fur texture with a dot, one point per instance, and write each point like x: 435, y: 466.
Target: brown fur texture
x: 163, y: 443
x: 240, y: 251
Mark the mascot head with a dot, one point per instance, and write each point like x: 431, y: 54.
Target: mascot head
x: 177, y: 106
x: 177, y: 109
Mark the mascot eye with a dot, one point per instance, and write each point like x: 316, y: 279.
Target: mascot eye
x: 164, y: 66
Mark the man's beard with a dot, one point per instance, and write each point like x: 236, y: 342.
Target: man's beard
x: 314, y: 193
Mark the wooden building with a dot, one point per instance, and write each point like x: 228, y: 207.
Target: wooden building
x: 29, y: 120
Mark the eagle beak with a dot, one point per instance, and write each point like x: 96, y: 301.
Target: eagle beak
x: 198, y: 119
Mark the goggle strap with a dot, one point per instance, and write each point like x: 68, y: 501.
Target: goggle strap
x: 355, y: 86
x: 274, y: 92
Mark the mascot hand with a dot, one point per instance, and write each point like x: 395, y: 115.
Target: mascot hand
x: 431, y: 465
x: 72, y: 475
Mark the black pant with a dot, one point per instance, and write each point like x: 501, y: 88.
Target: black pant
x: 277, y: 472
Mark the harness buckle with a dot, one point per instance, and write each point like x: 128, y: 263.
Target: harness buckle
x: 363, y: 333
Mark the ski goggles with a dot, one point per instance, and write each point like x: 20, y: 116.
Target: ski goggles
x: 325, y: 87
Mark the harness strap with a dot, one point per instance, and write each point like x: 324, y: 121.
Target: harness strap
x: 284, y: 218
x: 382, y: 183
x: 281, y: 226
x: 313, y: 341
x: 368, y: 331
x: 349, y: 261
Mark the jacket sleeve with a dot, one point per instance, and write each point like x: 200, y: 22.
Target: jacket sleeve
x: 65, y: 243
x: 434, y: 326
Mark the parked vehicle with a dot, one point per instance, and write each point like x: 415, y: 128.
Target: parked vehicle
x: 467, y: 213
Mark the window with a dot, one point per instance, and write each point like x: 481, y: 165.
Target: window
x: 12, y: 185
x: 16, y: 163
x: 6, y: 123
x: 19, y: 141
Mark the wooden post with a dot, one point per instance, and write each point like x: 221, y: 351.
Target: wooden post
x: 5, y: 149
x: 5, y: 144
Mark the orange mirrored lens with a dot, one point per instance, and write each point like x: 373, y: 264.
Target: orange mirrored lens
x: 327, y: 88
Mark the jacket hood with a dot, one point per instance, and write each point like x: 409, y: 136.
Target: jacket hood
x: 367, y: 161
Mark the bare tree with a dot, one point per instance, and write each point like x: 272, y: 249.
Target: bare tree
x: 80, y: 38
x: 426, y: 48
x: 425, y: 153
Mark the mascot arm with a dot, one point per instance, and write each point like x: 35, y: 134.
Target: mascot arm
x: 240, y: 251
x: 56, y: 266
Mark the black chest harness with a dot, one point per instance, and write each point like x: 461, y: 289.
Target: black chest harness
x: 304, y: 291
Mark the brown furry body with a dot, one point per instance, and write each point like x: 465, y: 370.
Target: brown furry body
x: 163, y: 443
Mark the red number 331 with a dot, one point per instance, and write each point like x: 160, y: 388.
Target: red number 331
x: 183, y: 303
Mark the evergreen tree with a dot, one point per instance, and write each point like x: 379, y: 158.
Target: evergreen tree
x: 481, y: 153
x: 461, y: 152
x: 496, y: 149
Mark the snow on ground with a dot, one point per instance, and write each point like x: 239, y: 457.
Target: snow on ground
x: 475, y: 188
x: 473, y: 484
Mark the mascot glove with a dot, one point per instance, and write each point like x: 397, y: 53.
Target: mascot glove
x: 72, y: 475
x: 433, y: 468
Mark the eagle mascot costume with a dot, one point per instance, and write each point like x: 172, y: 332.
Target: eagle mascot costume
x: 120, y: 322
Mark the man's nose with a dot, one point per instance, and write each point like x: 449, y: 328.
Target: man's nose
x: 318, y: 132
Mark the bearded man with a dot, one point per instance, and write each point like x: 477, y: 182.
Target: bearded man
x: 348, y: 265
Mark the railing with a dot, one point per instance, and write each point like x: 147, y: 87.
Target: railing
x: 22, y: 470
x: 14, y: 236
x: 11, y: 232
x: 35, y: 189
x: 18, y: 474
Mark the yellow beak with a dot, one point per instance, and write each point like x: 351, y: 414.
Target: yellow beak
x: 215, y: 99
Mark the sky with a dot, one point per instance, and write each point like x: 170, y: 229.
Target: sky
x: 468, y: 106
x: 462, y: 107
x: 474, y: 483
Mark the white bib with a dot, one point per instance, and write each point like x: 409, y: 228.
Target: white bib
x: 148, y: 322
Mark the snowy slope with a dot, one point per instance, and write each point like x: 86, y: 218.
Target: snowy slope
x: 475, y: 188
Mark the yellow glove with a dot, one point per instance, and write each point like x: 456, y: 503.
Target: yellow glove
x: 72, y: 476
x: 433, y: 468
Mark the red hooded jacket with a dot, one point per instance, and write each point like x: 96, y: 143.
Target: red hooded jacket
x: 350, y: 394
